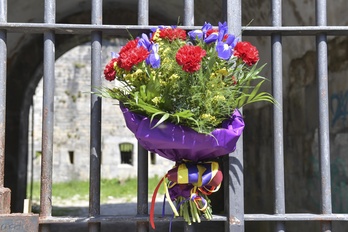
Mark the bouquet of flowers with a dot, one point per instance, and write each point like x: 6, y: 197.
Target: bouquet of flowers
x: 180, y: 93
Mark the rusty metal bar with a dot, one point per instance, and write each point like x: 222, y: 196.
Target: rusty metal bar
x: 143, y: 157
x: 233, y: 167
x: 323, y: 96
x: 3, y: 62
x: 278, y: 134
x: 95, y: 131
x: 47, y: 114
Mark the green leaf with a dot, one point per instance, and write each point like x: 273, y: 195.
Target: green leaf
x: 162, y: 119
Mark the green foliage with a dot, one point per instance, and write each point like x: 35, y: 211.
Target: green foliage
x: 79, y: 190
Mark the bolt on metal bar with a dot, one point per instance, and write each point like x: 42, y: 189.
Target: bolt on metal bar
x: 234, y: 167
x: 47, y: 115
x: 278, y: 134
x: 3, y: 62
x: 143, y: 157
x: 96, y: 105
x: 324, y: 144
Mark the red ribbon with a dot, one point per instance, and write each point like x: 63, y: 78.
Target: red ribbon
x: 153, y: 201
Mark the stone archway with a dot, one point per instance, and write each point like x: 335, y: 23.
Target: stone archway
x: 24, y: 73
x: 25, y: 56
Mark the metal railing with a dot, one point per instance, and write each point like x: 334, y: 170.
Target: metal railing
x: 234, y: 203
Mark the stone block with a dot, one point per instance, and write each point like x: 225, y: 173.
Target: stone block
x: 5, y: 200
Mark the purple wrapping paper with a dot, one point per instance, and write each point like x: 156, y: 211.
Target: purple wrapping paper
x: 176, y: 142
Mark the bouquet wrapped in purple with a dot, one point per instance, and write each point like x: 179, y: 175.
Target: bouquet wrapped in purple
x: 194, y: 176
x: 180, y: 93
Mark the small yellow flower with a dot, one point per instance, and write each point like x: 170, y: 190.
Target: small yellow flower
x: 223, y: 72
x: 156, y: 36
x: 156, y: 100
x: 174, y: 77
x: 219, y: 98
x: 208, y: 117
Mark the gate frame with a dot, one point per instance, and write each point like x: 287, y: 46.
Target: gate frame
x: 235, y: 217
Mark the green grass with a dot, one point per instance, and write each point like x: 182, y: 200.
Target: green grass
x: 79, y: 190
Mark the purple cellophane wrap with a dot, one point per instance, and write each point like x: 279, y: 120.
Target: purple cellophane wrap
x: 176, y: 142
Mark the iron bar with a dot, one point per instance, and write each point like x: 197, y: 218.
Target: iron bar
x: 85, y: 29
x: 189, y: 21
x: 189, y: 12
x: 233, y: 167
x: 142, y: 191
x: 3, y: 62
x: 218, y: 218
x: 96, y: 105
x: 47, y: 114
x: 278, y: 134
x: 143, y: 157
x: 323, y: 96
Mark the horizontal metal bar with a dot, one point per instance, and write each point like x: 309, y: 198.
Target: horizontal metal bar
x: 167, y: 218
x: 136, y: 29
x: 117, y: 218
x: 296, y: 217
x: 295, y: 30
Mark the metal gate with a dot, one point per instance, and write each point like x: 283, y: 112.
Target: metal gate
x: 234, y: 203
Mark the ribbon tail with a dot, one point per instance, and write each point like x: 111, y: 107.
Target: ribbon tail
x: 153, y: 201
x: 171, y: 204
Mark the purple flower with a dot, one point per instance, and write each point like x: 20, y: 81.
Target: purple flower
x: 153, y: 58
x: 200, y: 34
x: 213, y: 37
x: 144, y: 41
x: 195, y: 34
x: 225, y: 48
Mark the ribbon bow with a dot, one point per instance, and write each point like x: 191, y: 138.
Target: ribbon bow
x: 189, y: 180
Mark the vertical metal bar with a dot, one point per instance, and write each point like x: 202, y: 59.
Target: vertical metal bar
x: 324, y: 144
x: 3, y: 62
x: 32, y: 150
x: 143, y: 157
x: 47, y: 112
x: 47, y: 115
x: 276, y: 40
x: 234, y: 179
x: 189, y: 21
x: 95, y: 131
x: 189, y: 12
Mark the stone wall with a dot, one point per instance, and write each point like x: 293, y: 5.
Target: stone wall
x: 72, y: 123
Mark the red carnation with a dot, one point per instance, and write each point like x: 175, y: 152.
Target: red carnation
x: 129, y: 46
x: 247, y: 52
x: 190, y: 57
x: 109, y: 71
x: 132, y: 57
x: 172, y: 34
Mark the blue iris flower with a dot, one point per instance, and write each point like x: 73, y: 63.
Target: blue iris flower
x: 225, y: 48
x: 153, y: 59
x: 200, y: 34
x: 195, y: 34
